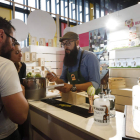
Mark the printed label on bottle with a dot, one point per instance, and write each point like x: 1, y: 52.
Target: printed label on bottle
x: 101, y: 114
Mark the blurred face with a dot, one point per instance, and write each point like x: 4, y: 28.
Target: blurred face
x: 69, y: 45
x: 16, y: 54
x: 6, y: 42
x: 71, y: 52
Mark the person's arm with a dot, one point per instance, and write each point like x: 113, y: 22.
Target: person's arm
x: 52, y: 78
x: 61, y: 80
x: 80, y: 87
x: 16, y: 107
x: 11, y: 94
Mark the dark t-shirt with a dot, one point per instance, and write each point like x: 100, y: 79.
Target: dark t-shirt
x: 22, y: 72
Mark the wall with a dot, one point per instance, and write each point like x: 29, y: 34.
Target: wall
x: 53, y: 57
x: 6, y: 13
x: 120, y: 16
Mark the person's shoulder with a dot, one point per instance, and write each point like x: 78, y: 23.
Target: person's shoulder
x: 4, y: 61
x: 89, y: 54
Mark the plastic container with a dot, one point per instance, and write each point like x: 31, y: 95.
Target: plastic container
x: 101, y: 110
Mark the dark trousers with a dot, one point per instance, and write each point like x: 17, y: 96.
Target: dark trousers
x: 14, y: 136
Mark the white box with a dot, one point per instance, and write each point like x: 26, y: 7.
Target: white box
x: 33, y: 40
x: 42, y: 42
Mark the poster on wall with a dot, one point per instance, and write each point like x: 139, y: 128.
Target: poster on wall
x: 98, y: 45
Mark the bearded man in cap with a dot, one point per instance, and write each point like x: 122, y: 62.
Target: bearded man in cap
x: 80, y: 69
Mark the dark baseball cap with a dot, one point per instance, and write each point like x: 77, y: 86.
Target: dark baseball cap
x: 69, y: 35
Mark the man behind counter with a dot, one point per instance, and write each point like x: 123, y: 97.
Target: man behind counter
x: 81, y: 68
x: 13, y: 105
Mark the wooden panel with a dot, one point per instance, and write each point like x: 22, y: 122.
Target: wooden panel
x: 51, y: 129
x: 73, y: 98
x: 124, y: 92
x: 44, y: 49
x: 49, y: 64
x: 130, y: 82
x: 123, y: 100
x: 119, y: 108
x: 134, y: 73
x: 129, y: 129
x: 36, y: 136
x: 50, y: 57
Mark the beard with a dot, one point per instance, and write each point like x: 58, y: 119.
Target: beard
x: 4, y: 52
x: 70, y: 60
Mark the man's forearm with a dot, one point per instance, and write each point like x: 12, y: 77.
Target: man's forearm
x: 59, y: 81
x: 83, y: 87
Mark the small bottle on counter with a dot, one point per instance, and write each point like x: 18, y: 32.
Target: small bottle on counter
x: 101, y: 110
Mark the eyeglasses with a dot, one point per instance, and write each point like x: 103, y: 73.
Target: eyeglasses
x: 13, y: 39
x: 68, y: 43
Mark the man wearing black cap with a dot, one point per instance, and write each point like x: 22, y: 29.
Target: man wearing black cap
x: 80, y: 69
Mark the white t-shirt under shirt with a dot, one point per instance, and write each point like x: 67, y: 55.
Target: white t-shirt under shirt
x: 9, y: 84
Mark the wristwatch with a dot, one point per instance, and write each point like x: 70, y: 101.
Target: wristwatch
x: 73, y: 89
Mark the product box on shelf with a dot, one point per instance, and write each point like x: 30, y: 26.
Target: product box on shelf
x: 33, y: 56
x: 50, y: 42
x: 23, y: 57
x: 33, y: 41
x: 27, y: 56
x: 41, y: 61
x: 42, y: 42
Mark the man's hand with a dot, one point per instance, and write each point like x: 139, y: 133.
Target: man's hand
x: 51, y: 78
x: 66, y: 88
x: 23, y: 90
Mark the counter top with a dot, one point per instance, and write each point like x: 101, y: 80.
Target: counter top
x: 114, y: 131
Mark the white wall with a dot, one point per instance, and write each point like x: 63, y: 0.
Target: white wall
x: 122, y: 15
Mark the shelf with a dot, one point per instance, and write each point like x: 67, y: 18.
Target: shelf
x: 125, y: 68
x: 123, y: 49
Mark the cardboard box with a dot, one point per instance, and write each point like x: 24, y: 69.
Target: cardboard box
x: 23, y: 57
x: 41, y: 61
x: 27, y: 56
x: 115, y: 83
x: 33, y: 56
x: 73, y: 98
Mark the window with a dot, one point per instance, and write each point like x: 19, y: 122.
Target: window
x: 62, y: 8
x: 6, y: 2
x: 48, y: 6
x: 87, y: 11
x: 53, y: 7
x: 19, y: 15
x: 97, y: 10
x: 72, y: 10
x: 19, y: 1
x: 79, y: 10
x: 66, y: 9
x: 31, y: 3
x: 102, y: 7
x: 43, y: 5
